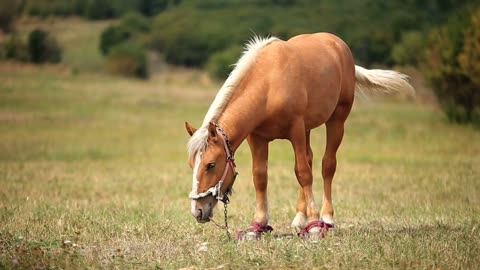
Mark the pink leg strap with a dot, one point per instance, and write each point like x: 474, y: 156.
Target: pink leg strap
x: 257, y: 228
x: 316, y: 224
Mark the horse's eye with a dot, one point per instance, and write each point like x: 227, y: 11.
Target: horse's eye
x: 210, y: 165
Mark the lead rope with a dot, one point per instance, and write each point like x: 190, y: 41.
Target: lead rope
x: 226, y: 222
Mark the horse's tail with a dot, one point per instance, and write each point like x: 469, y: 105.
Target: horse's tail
x: 381, y: 81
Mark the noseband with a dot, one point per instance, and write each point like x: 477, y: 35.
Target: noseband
x: 215, y: 190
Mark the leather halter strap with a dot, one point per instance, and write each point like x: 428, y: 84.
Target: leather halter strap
x: 216, y: 190
x: 230, y: 162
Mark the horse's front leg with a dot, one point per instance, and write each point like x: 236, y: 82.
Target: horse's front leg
x: 259, y: 149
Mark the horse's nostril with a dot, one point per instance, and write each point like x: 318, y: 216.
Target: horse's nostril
x: 199, y: 214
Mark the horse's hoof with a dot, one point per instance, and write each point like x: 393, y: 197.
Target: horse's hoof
x: 254, y: 232
x: 329, y: 220
x: 299, y: 221
x: 248, y: 236
x: 315, y: 230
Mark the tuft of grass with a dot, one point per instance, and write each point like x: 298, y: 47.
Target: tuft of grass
x: 93, y: 174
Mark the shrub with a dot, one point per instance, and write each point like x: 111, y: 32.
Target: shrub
x: 452, y: 67
x: 43, y: 47
x: 128, y: 59
x: 220, y: 64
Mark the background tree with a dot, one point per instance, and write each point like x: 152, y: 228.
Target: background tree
x: 452, y: 67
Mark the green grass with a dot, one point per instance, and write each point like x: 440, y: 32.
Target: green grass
x: 93, y: 174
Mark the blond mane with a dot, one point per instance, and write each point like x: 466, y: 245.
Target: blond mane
x: 198, y: 142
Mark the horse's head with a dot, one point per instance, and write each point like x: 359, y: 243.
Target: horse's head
x: 213, y: 173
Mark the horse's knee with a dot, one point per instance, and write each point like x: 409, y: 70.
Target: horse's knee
x: 329, y: 165
x: 260, y: 171
x: 260, y: 175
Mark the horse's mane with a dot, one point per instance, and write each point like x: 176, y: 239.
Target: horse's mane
x: 198, y: 141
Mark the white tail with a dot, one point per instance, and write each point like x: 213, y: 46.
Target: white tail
x: 381, y: 81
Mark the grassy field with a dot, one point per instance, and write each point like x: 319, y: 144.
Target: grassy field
x: 93, y: 174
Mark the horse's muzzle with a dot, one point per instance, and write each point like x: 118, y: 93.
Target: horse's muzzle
x: 202, y: 209
x: 201, y: 216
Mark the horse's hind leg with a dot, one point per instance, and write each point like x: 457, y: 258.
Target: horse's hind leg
x: 300, y: 219
x: 335, y: 129
x: 303, y: 169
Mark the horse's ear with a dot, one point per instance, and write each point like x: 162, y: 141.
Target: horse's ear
x: 190, y: 129
x: 212, y: 132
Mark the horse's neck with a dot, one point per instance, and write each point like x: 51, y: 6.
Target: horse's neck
x: 241, y: 116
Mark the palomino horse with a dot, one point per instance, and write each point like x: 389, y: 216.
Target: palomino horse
x: 281, y: 90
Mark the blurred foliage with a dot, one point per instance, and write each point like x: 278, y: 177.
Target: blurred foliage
x: 188, y: 41
x: 8, y: 11
x: 135, y: 22
x: 45, y: 8
x: 112, y: 36
x: 152, y: 7
x: 452, y: 65
x: 469, y: 58
x: 132, y: 27
x: 408, y: 52
x: 16, y: 49
x: 99, y: 9
x: 128, y: 59
x: 378, y: 32
x: 125, y: 46
x: 95, y: 9
x: 43, y: 47
x: 220, y: 64
x: 189, y: 32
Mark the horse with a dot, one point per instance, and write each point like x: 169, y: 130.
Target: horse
x: 281, y: 90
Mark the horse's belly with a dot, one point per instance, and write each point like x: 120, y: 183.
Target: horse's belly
x: 321, y: 106
x: 272, y: 130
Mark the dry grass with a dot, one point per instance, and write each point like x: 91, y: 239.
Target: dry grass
x: 94, y: 175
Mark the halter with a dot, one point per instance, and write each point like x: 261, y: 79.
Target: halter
x: 215, y: 190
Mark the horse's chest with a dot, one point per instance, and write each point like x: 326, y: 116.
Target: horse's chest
x: 273, y: 129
